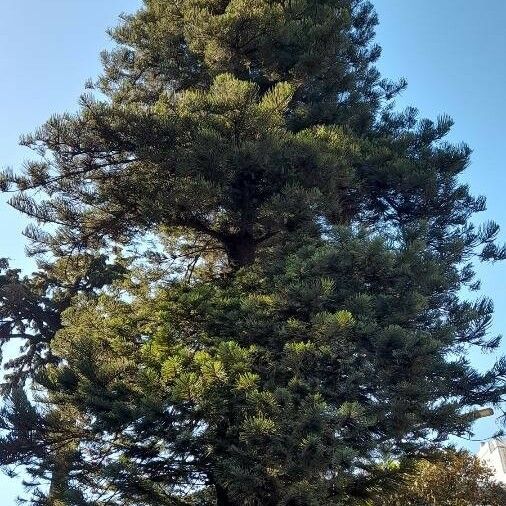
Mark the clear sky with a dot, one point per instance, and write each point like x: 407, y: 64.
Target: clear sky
x: 451, y: 52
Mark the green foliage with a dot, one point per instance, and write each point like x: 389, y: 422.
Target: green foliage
x: 297, y: 314
x: 446, y: 478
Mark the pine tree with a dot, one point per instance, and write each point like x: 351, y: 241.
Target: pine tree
x: 297, y: 315
x: 30, y: 313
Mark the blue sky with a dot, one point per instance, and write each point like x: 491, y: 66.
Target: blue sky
x: 451, y: 52
x: 452, y: 55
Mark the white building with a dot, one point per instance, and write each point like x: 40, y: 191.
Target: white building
x: 493, y: 454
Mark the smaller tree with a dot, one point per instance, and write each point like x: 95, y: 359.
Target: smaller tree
x: 449, y: 478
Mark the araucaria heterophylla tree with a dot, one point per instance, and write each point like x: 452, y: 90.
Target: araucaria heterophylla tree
x: 251, y: 270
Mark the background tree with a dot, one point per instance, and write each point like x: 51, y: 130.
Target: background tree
x: 30, y: 314
x: 449, y: 478
x: 298, y: 314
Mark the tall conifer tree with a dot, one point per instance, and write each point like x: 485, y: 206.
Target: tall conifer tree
x: 275, y: 301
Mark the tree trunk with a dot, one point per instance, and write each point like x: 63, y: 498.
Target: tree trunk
x: 222, y: 497
x: 59, y: 482
x: 241, y: 250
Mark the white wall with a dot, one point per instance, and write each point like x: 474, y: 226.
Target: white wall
x: 493, y: 454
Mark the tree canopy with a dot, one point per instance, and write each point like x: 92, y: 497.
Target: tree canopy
x: 250, y: 269
x: 448, y: 478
